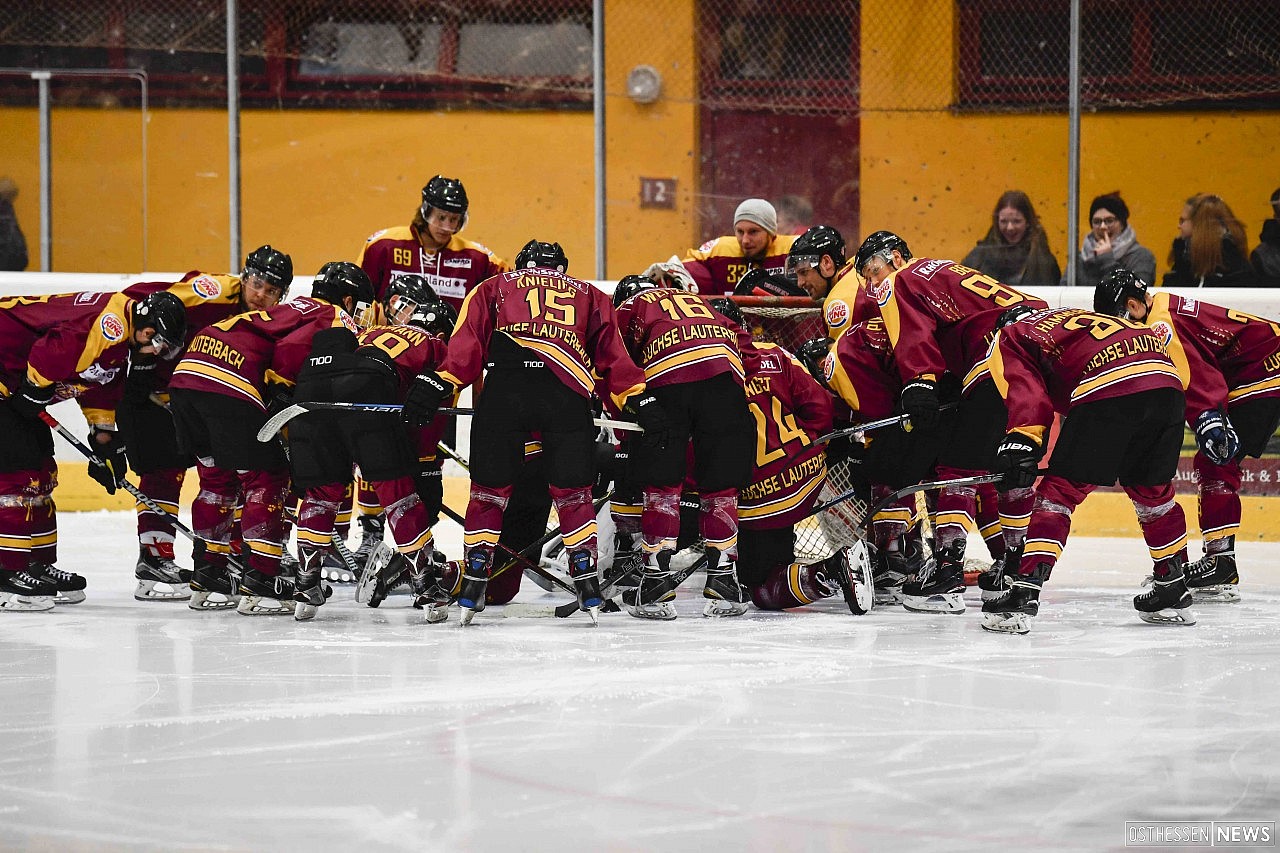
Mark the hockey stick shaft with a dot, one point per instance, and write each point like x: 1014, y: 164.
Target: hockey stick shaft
x: 858, y: 430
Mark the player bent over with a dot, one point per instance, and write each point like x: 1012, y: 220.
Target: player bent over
x: 1122, y: 404
x: 220, y: 392
x: 324, y: 445
x: 544, y: 337
x: 1230, y: 367
x: 51, y: 348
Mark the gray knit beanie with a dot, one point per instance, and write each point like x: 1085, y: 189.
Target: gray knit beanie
x: 760, y: 212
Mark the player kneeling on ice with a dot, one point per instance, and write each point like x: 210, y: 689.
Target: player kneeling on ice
x: 323, y: 446
x: 56, y: 347
x: 544, y: 337
x: 1122, y: 404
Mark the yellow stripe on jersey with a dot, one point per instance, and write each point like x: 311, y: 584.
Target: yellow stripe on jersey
x: 216, y: 374
x: 553, y: 352
x: 768, y: 509
x: 1259, y: 387
x: 1107, y: 378
x: 1160, y: 311
x: 695, y: 355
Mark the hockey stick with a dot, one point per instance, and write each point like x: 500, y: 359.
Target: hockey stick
x: 858, y: 430
x: 137, y: 493
x: 279, y: 419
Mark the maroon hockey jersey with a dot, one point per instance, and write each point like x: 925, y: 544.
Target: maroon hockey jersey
x: 1222, y: 355
x: 677, y: 338
x: 941, y: 315
x: 568, y: 322
x: 717, y: 265
x: 860, y: 370
x: 790, y: 410
x: 238, y: 356
x: 453, y: 272
x: 208, y: 299
x: 76, y: 341
x: 412, y: 351
x: 1056, y: 359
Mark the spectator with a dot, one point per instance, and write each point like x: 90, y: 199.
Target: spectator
x: 1111, y: 244
x: 795, y: 214
x: 1210, y: 250
x: 1266, y: 258
x: 1015, y: 250
x: 718, y: 264
x: 13, y: 246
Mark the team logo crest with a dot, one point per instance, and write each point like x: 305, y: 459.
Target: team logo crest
x: 707, y: 246
x: 112, y: 327
x: 1163, y: 331
x: 347, y: 321
x: 828, y: 367
x: 837, y: 313
x: 206, y: 287
x: 881, y: 292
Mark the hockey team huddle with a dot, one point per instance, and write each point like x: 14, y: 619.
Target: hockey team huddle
x: 933, y: 379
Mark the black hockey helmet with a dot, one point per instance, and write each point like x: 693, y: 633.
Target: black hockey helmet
x: 446, y: 194
x: 880, y: 243
x: 1013, y: 314
x: 337, y: 280
x: 404, y: 293
x: 537, y: 254
x: 761, y: 282
x: 272, y: 266
x: 165, y: 313
x: 810, y: 246
x: 629, y: 286
x: 727, y: 307
x: 813, y: 354
x: 1115, y: 289
x: 435, y: 316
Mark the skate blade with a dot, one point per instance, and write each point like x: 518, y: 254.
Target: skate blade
x: 716, y: 608
x: 466, y: 615
x: 594, y: 613
x: 887, y: 597
x: 261, y: 605
x: 663, y: 611
x: 365, y: 588
x: 25, y: 603
x: 1224, y: 594
x: 74, y: 596
x: 202, y: 599
x: 1006, y: 623
x: 149, y: 590
x: 1169, y: 616
x: 951, y: 603
x: 436, y: 613
x: 304, y: 612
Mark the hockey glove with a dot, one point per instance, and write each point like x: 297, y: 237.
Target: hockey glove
x: 652, y: 419
x: 425, y: 396
x: 31, y: 399
x: 110, y: 464
x: 1017, y: 459
x: 141, y: 382
x: 279, y: 397
x: 920, y: 403
x: 430, y: 487
x: 1216, y: 437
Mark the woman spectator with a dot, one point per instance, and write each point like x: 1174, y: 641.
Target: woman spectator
x: 1210, y: 250
x: 1015, y: 250
x: 1111, y: 244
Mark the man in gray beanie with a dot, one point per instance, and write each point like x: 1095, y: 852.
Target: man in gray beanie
x: 719, y: 264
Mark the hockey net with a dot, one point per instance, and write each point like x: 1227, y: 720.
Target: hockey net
x: 789, y: 321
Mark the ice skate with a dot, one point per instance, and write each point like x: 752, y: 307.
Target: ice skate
x: 1011, y: 611
x: 23, y: 591
x: 1214, y: 577
x: 942, y: 590
x: 586, y: 580
x: 850, y: 569
x: 1168, y: 602
x: 371, y: 534
x: 431, y: 589
x: 264, y: 595
x: 998, y: 579
x: 385, y: 571
x: 892, y: 568
x: 159, y: 577
x: 212, y: 587
x: 475, y: 581
x: 654, y: 598
x: 308, y: 589
x: 70, y: 586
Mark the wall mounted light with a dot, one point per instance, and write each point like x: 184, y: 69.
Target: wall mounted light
x: 644, y: 84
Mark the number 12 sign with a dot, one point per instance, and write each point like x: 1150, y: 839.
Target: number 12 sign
x: 658, y: 192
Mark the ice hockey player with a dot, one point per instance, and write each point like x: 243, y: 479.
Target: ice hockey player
x: 430, y: 246
x: 940, y: 317
x: 324, y: 445
x: 143, y: 414
x: 1122, y: 405
x: 1230, y: 367
x: 790, y: 410
x: 818, y: 262
x: 718, y: 264
x: 233, y: 373
x: 693, y: 367
x: 544, y: 337
x: 54, y: 348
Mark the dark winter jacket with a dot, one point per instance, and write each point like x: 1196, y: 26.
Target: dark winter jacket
x: 13, y: 246
x: 1266, y: 258
x: 1234, y: 272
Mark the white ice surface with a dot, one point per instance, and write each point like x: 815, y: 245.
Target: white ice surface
x: 130, y: 725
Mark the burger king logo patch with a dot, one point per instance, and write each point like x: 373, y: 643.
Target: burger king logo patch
x: 828, y: 367
x: 206, y: 287
x: 837, y: 311
x: 1163, y: 331
x: 112, y: 327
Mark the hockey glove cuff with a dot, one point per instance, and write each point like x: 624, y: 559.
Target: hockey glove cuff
x: 1216, y: 437
x: 31, y: 399
x: 110, y: 464
x: 1017, y: 459
x: 651, y: 418
x: 424, y: 398
x: 920, y: 403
